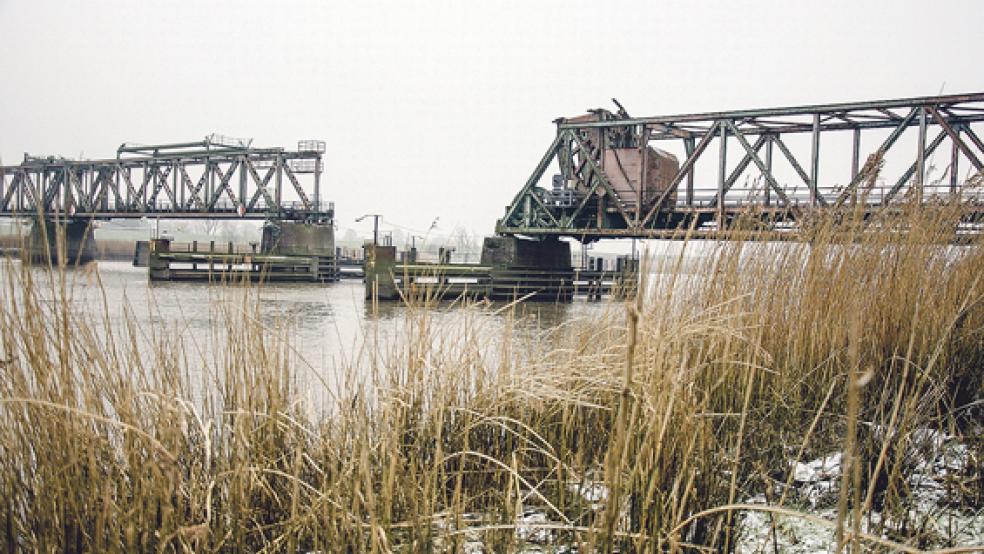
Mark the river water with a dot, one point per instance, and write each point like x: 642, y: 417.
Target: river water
x: 330, y: 328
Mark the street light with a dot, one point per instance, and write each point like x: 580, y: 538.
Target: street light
x: 375, y: 226
x: 433, y: 226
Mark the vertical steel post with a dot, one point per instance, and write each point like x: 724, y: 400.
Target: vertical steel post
x: 209, y: 182
x: 278, y: 192
x: 643, y: 174
x: 116, y: 188
x: 564, y: 158
x: 183, y: 194
x: 954, y: 161
x: 242, y: 182
x: 855, y: 162
x: 174, y: 185
x: 689, y: 146
x: 146, y: 168
x: 93, y: 177
x: 83, y: 188
x: 856, y: 153
x: 99, y: 187
x: 921, y: 154
x: 21, y: 193
x: 42, y: 182
x: 102, y: 189
x: 768, y: 167
x: 815, y: 161
x: 66, y: 196
x: 317, y: 183
x: 722, y: 175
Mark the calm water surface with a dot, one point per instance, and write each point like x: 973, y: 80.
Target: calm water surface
x: 327, y: 326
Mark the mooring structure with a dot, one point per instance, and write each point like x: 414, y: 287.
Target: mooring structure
x: 510, y: 269
x: 215, y: 178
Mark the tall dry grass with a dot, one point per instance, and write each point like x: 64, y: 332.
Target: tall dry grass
x: 644, y: 429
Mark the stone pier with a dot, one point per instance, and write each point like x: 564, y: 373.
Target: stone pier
x: 69, y: 241
x: 294, y: 238
x: 536, y: 269
x: 380, y: 266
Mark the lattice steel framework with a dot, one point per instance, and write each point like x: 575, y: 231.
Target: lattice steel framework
x: 587, y: 207
x: 216, y: 178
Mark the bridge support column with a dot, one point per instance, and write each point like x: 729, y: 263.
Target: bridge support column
x: 380, y: 267
x: 69, y: 242
x: 295, y: 238
x: 529, y: 267
x: 159, y: 269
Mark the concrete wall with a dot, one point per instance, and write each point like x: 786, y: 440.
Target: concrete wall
x: 512, y: 252
x: 297, y: 238
x: 379, y: 268
x: 141, y: 253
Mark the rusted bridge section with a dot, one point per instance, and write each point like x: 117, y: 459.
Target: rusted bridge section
x: 214, y: 178
x: 617, y: 175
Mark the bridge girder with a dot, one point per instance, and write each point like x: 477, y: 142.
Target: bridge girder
x: 585, y: 206
x: 196, y: 180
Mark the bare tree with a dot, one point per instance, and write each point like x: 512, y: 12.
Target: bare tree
x: 211, y: 227
x: 464, y: 242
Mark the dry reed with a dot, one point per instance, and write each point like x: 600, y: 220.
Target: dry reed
x: 640, y: 433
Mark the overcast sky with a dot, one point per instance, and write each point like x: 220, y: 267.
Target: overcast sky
x: 441, y: 109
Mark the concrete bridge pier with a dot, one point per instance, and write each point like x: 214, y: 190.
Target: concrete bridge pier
x: 538, y: 268
x: 511, y: 268
x: 380, y: 270
x: 297, y: 238
x: 67, y: 242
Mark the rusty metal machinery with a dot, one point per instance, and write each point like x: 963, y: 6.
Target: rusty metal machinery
x: 216, y: 178
x: 617, y: 177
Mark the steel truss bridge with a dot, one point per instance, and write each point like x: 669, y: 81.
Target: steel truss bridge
x: 216, y: 178
x: 584, y: 204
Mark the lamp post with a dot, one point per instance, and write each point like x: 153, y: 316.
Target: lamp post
x: 375, y: 226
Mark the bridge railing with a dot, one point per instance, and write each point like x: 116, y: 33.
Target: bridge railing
x: 801, y: 198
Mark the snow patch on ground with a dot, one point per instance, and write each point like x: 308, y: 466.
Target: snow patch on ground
x: 595, y: 493
x: 935, y: 466
x: 935, y: 462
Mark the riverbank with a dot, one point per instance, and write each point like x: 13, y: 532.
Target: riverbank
x: 655, y: 425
